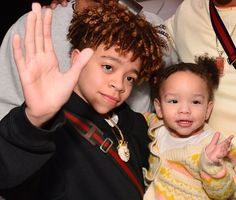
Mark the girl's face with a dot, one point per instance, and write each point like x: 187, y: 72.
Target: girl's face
x: 107, y: 80
x: 184, y: 104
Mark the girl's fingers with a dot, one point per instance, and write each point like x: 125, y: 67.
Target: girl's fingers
x: 215, y: 139
x: 228, y: 141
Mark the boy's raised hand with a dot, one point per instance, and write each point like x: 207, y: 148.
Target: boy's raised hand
x: 45, y: 88
x: 216, y: 150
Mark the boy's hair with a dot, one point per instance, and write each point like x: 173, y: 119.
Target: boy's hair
x: 205, y: 67
x: 112, y: 24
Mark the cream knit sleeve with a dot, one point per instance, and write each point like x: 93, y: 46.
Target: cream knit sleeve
x: 218, y: 180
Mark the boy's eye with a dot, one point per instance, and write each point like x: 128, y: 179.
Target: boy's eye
x: 107, y: 68
x: 131, y: 79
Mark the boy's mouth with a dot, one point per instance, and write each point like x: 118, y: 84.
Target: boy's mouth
x: 111, y: 99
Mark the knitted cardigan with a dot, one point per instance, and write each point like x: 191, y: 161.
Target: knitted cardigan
x: 187, y: 173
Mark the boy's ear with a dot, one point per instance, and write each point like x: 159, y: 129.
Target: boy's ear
x: 209, y: 109
x: 157, y: 106
x: 74, y: 55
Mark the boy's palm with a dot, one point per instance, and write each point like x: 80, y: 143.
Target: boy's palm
x: 45, y: 88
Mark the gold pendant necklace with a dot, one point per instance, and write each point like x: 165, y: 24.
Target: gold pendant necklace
x: 123, y: 150
x: 220, y: 60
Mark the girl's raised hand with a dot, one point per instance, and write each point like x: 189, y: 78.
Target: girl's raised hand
x: 216, y: 150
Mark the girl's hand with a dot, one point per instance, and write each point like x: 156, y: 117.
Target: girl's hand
x: 216, y: 150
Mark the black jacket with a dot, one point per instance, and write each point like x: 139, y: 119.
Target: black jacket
x: 58, y: 163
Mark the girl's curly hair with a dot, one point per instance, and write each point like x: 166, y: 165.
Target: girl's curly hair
x: 205, y: 67
x: 112, y: 24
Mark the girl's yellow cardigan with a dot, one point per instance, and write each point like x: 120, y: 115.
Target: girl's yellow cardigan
x: 186, y: 173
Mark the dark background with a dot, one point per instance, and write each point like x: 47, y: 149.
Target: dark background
x: 11, y: 10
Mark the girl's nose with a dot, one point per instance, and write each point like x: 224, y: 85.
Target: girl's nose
x: 184, y: 108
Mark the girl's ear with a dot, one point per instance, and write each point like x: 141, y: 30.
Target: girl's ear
x: 74, y: 55
x: 209, y: 109
x: 157, y: 106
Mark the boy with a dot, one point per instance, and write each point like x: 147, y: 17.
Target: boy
x: 61, y: 136
x: 11, y: 95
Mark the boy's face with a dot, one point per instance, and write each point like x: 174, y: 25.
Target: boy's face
x: 184, y: 104
x: 107, y: 79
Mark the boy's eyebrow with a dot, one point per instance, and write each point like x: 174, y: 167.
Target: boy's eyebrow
x: 112, y: 58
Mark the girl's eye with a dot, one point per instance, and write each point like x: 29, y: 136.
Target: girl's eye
x: 196, y: 102
x: 107, y: 68
x: 173, y: 101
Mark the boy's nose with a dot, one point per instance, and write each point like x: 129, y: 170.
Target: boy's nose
x: 117, y: 84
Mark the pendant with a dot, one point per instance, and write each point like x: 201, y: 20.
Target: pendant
x: 220, y: 61
x: 123, y: 151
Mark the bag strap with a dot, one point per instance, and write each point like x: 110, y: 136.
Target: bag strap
x: 222, y: 34
x: 94, y: 135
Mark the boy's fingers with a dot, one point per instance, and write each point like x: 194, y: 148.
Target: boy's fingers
x: 47, y: 30
x: 29, y: 40
x: 36, y: 8
x: 17, y: 52
x: 83, y: 58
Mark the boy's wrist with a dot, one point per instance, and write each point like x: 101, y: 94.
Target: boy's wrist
x: 39, y: 120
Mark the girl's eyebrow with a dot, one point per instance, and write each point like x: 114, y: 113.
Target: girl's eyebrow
x: 200, y: 95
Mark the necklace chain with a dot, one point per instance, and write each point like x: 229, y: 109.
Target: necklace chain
x: 121, y: 140
x: 123, y: 150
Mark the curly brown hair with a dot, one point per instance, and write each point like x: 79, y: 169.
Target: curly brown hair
x: 205, y: 67
x: 112, y: 24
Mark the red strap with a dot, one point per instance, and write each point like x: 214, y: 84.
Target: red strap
x: 97, y: 137
x: 222, y: 34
